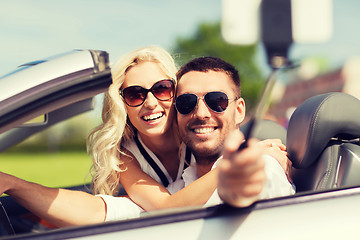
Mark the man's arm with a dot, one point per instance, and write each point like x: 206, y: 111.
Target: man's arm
x: 241, y: 174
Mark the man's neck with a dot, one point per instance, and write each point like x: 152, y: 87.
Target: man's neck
x: 204, y: 165
x: 204, y: 162
x: 203, y: 169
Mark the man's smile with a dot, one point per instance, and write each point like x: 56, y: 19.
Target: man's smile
x: 203, y: 130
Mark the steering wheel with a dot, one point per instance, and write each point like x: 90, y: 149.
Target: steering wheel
x: 5, y: 222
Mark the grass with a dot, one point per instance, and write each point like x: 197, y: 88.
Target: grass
x: 50, y: 169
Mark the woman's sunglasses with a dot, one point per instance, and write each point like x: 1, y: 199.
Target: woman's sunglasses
x: 135, y: 95
x: 216, y: 101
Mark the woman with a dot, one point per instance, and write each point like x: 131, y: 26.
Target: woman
x: 137, y: 144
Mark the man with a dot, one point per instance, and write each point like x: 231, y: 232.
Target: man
x: 210, y: 108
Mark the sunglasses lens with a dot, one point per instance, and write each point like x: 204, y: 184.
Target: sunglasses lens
x: 134, y: 96
x: 163, y: 90
x: 186, y: 103
x: 216, y: 101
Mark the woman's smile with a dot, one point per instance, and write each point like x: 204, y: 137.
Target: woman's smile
x: 152, y: 116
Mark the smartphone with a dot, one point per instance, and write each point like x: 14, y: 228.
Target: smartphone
x: 311, y: 21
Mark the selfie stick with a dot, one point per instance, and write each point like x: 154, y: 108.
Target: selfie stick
x: 276, y: 34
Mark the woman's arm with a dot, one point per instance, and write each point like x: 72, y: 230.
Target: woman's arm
x: 151, y: 195
x: 60, y: 207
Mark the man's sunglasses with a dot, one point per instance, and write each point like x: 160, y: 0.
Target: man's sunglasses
x: 134, y: 96
x: 216, y: 101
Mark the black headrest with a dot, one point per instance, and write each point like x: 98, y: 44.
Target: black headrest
x: 266, y: 129
x: 316, y: 121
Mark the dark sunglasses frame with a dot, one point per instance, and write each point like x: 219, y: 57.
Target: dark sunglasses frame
x: 145, y: 92
x: 213, y: 104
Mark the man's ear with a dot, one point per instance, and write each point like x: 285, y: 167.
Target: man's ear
x: 240, y: 111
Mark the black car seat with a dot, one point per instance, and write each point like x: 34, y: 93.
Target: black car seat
x: 323, y: 142
x: 266, y: 129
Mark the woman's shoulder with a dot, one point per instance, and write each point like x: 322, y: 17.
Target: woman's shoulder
x: 126, y: 155
x: 131, y: 152
x: 129, y: 145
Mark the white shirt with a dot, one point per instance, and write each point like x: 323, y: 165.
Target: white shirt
x: 146, y: 167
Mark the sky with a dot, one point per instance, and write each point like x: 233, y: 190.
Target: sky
x: 34, y: 29
x: 39, y: 28
x: 345, y: 41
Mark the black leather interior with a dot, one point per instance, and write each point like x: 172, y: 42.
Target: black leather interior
x: 322, y: 142
x: 266, y: 129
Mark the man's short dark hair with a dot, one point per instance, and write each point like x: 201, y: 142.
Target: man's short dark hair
x: 205, y: 64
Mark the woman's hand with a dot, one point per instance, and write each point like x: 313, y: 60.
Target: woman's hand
x: 276, y: 149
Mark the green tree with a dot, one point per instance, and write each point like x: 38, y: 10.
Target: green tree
x: 207, y: 41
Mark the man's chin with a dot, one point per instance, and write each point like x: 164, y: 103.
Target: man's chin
x: 208, y: 153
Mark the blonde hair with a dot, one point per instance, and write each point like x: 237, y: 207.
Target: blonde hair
x: 105, y: 140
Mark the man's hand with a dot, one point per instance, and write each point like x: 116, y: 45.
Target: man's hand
x: 276, y: 149
x: 241, y: 174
